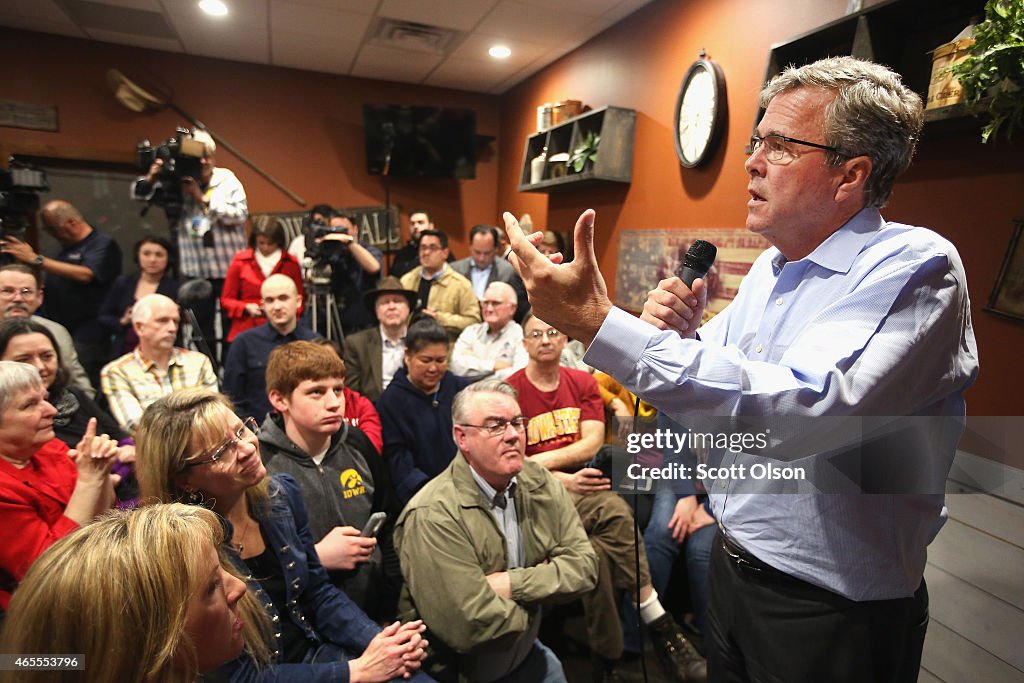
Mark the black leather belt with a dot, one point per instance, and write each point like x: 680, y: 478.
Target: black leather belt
x: 752, y: 566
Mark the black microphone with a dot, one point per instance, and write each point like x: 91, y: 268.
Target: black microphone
x: 192, y: 292
x: 697, y: 262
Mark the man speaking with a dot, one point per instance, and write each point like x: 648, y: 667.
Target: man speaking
x: 845, y: 315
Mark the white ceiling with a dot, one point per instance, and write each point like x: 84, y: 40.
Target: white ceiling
x: 339, y: 36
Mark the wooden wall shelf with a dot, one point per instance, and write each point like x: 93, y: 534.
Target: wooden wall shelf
x: 614, y: 160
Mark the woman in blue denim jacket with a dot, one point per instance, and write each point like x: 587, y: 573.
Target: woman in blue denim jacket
x: 192, y: 448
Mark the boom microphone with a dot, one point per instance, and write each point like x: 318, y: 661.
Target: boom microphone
x: 697, y: 262
x: 192, y: 292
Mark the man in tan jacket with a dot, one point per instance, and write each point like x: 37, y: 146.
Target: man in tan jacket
x: 486, y: 543
x: 443, y: 294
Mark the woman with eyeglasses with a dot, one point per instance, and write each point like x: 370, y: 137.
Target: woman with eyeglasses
x: 194, y: 449
x: 416, y: 410
x: 45, y: 493
x: 26, y: 341
x: 135, y: 597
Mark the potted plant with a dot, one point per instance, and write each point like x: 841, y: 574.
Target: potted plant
x: 585, y: 153
x: 994, y: 69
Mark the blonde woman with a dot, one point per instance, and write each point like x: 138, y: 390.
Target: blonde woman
x: 193, y: 448
x: 139, y: 597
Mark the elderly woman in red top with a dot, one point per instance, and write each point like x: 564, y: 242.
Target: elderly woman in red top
x: 265, y: 256
x: 44, y: 493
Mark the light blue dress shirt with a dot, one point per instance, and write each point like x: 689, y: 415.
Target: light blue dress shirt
x: 874, y: 322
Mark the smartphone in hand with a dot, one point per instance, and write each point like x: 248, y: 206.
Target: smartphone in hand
x: 374, y: 524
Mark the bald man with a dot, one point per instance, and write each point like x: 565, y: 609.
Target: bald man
x: 245, y: 370
x: 78, y: 277
x: 156, y: 367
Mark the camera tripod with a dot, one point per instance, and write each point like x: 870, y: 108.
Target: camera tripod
x: 320, y: 298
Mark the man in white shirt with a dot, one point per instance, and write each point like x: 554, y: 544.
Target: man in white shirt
x: 495, y: 346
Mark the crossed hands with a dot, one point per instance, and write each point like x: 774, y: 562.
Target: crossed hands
x: 397, y: 651
x: 687, y: 518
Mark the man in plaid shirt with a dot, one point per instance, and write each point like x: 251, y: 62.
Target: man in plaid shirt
x: 156, y: 367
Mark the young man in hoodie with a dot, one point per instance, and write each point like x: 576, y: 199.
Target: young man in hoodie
x: 342, y: 478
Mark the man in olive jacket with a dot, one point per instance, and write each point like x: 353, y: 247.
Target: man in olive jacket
x: 486, y: 543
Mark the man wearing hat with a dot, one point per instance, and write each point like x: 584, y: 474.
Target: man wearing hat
x: 246, y: 366
x: 374, y: 355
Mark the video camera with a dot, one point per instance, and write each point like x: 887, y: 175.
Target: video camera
x: 317, y: 248
x: 20, y: 186
x: 182, y: 157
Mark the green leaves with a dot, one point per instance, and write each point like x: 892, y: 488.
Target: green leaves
x: 993, y: 75
x: 585, y: 151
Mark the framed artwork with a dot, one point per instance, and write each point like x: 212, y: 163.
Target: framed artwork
x: 1007, y: 298
x: 647, y: 256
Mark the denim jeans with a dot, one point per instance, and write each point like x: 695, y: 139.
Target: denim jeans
x: 540, y: 666
x: 662, y: 551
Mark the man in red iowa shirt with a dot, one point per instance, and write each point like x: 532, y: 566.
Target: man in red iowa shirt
x: 564, y: 432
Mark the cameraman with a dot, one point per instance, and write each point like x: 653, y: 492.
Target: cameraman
x: 331, y: 238
x: 211, y: 227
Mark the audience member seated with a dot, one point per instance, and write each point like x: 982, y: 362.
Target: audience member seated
x: 483, y: 267
x: 565, y: 431
x: 489, y: 541
x: 495, y: 346
x: 155, y: 367
x: 416, y: 411
x: 21, y: 295
x: 193, y: 448
x: 140, y: 597
x: 359, y: 410
x: 26, y: 341
x: 44, y: 494
x: 340, y: 474
x: 441, y: 293
x: 246, y: 367
x: 241, y: 299
x: 155, y: 276
x: 374, y: 355
x: 408, y: 257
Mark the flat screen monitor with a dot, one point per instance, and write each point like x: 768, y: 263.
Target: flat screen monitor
x: 435, y: 142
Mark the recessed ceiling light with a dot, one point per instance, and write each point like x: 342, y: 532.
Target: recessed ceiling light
x: 499, y: 52
x: 215, y: 8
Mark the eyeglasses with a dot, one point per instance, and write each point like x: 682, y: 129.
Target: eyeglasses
x: 487, y: 303
x: 775, y: 146
x: 496, y: 426
x: 12, y: 292
x: 249, y: 425
x: 430, y: 248
x: 551, y: 333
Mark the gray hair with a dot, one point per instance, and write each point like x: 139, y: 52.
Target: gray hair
x: 142, y: 311
x: 464, y: 398
x: 15, y: 378
x: 505, y: 290
x: 201, y: 136
x: 873, y: 115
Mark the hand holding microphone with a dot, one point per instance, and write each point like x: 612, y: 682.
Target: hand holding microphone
x: 678, y: 302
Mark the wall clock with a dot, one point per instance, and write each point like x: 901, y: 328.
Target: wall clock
x: 700, y: 112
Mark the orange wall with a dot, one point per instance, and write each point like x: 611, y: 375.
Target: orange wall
x: 967, y: 191
x: 304, y: 128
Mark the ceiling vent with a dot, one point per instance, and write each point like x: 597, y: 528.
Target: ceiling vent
x: 103, y: 17
x: 408, y: 35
